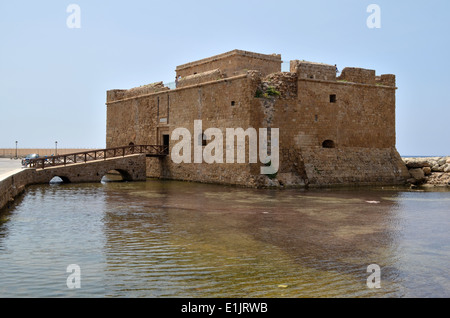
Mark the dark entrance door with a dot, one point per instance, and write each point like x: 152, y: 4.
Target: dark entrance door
x: 166, y: 142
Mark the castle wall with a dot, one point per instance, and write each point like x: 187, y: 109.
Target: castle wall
x: 221, y: 104
x: 333, y: 130
x: 359, y: 121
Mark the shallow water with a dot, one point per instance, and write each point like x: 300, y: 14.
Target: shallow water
x: 175, y: 239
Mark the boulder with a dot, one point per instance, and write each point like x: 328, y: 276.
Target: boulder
x: 441, y: 161
x: 446, y: 167
x: 417, y: 174
x: 426, y: 170
x: 416, y: 163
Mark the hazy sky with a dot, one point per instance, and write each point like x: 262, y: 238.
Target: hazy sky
x: 53, y: 79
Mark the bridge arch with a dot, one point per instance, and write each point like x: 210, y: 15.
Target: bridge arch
x: 59, y: 179
x: 115, y: 175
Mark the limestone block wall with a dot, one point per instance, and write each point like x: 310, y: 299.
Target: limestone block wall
x: 349, y: 114
x: 359, y: 119
x: 354, y: 166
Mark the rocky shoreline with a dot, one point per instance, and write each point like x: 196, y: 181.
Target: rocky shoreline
x: 428, y: 171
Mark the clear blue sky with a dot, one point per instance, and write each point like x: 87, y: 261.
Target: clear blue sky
x: 53, y: 79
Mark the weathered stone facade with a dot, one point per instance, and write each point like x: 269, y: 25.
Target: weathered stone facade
x: 333, y: 130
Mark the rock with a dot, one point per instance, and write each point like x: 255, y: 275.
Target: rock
x: 447, y: 167
x: 426, y: 170
x: 436, y: 168
x: 411, y: 180
x: 448, y: 160
x: 441, y: 161
x: 417, y: 174
x: 417, y: 163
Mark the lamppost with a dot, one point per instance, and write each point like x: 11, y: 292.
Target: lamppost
x: 16, y: 149
x: 56, y: 148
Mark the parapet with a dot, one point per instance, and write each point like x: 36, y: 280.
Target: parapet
x: 358, y: 75
x: 311, y: 70
x: 385, y: 79
x: 233, y: 63
x: 118, y: 94
x: 199, y: 78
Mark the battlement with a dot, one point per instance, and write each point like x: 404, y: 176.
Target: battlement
x: 312, y: 70
x: 327, y: 72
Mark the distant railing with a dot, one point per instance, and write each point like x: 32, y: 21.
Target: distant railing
x: 99, y: 154
x: 171, y: 85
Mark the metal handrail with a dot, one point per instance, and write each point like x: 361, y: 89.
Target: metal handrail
x: 98, y: 154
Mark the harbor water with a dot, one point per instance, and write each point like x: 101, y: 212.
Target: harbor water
x: 177, y: 239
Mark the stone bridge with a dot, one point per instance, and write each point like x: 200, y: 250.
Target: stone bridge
x: 130, y: 167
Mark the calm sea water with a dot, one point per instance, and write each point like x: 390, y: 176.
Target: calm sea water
x: 175, y: 239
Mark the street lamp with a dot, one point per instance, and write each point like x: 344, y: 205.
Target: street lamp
x: 56, y: 148
x: 16, y: 149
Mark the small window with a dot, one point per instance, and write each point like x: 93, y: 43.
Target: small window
x: 233, y: 103
x: 333, y: 98
x: 311, y: 76
x: 328, y: 144
x: 316, y: 118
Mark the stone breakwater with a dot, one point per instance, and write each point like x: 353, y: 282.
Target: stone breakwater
x: 428, y: 171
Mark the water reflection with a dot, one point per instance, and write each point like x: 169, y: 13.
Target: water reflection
x: 174, y: 239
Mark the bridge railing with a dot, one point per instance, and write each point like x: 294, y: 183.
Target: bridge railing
x: 98, y: 154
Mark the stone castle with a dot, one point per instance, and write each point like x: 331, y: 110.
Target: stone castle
x: 333, y: 130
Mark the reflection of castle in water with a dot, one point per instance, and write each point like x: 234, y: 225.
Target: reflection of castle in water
x: 333, y: 129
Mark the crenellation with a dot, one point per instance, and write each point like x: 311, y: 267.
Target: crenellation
x: 385, y: 79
